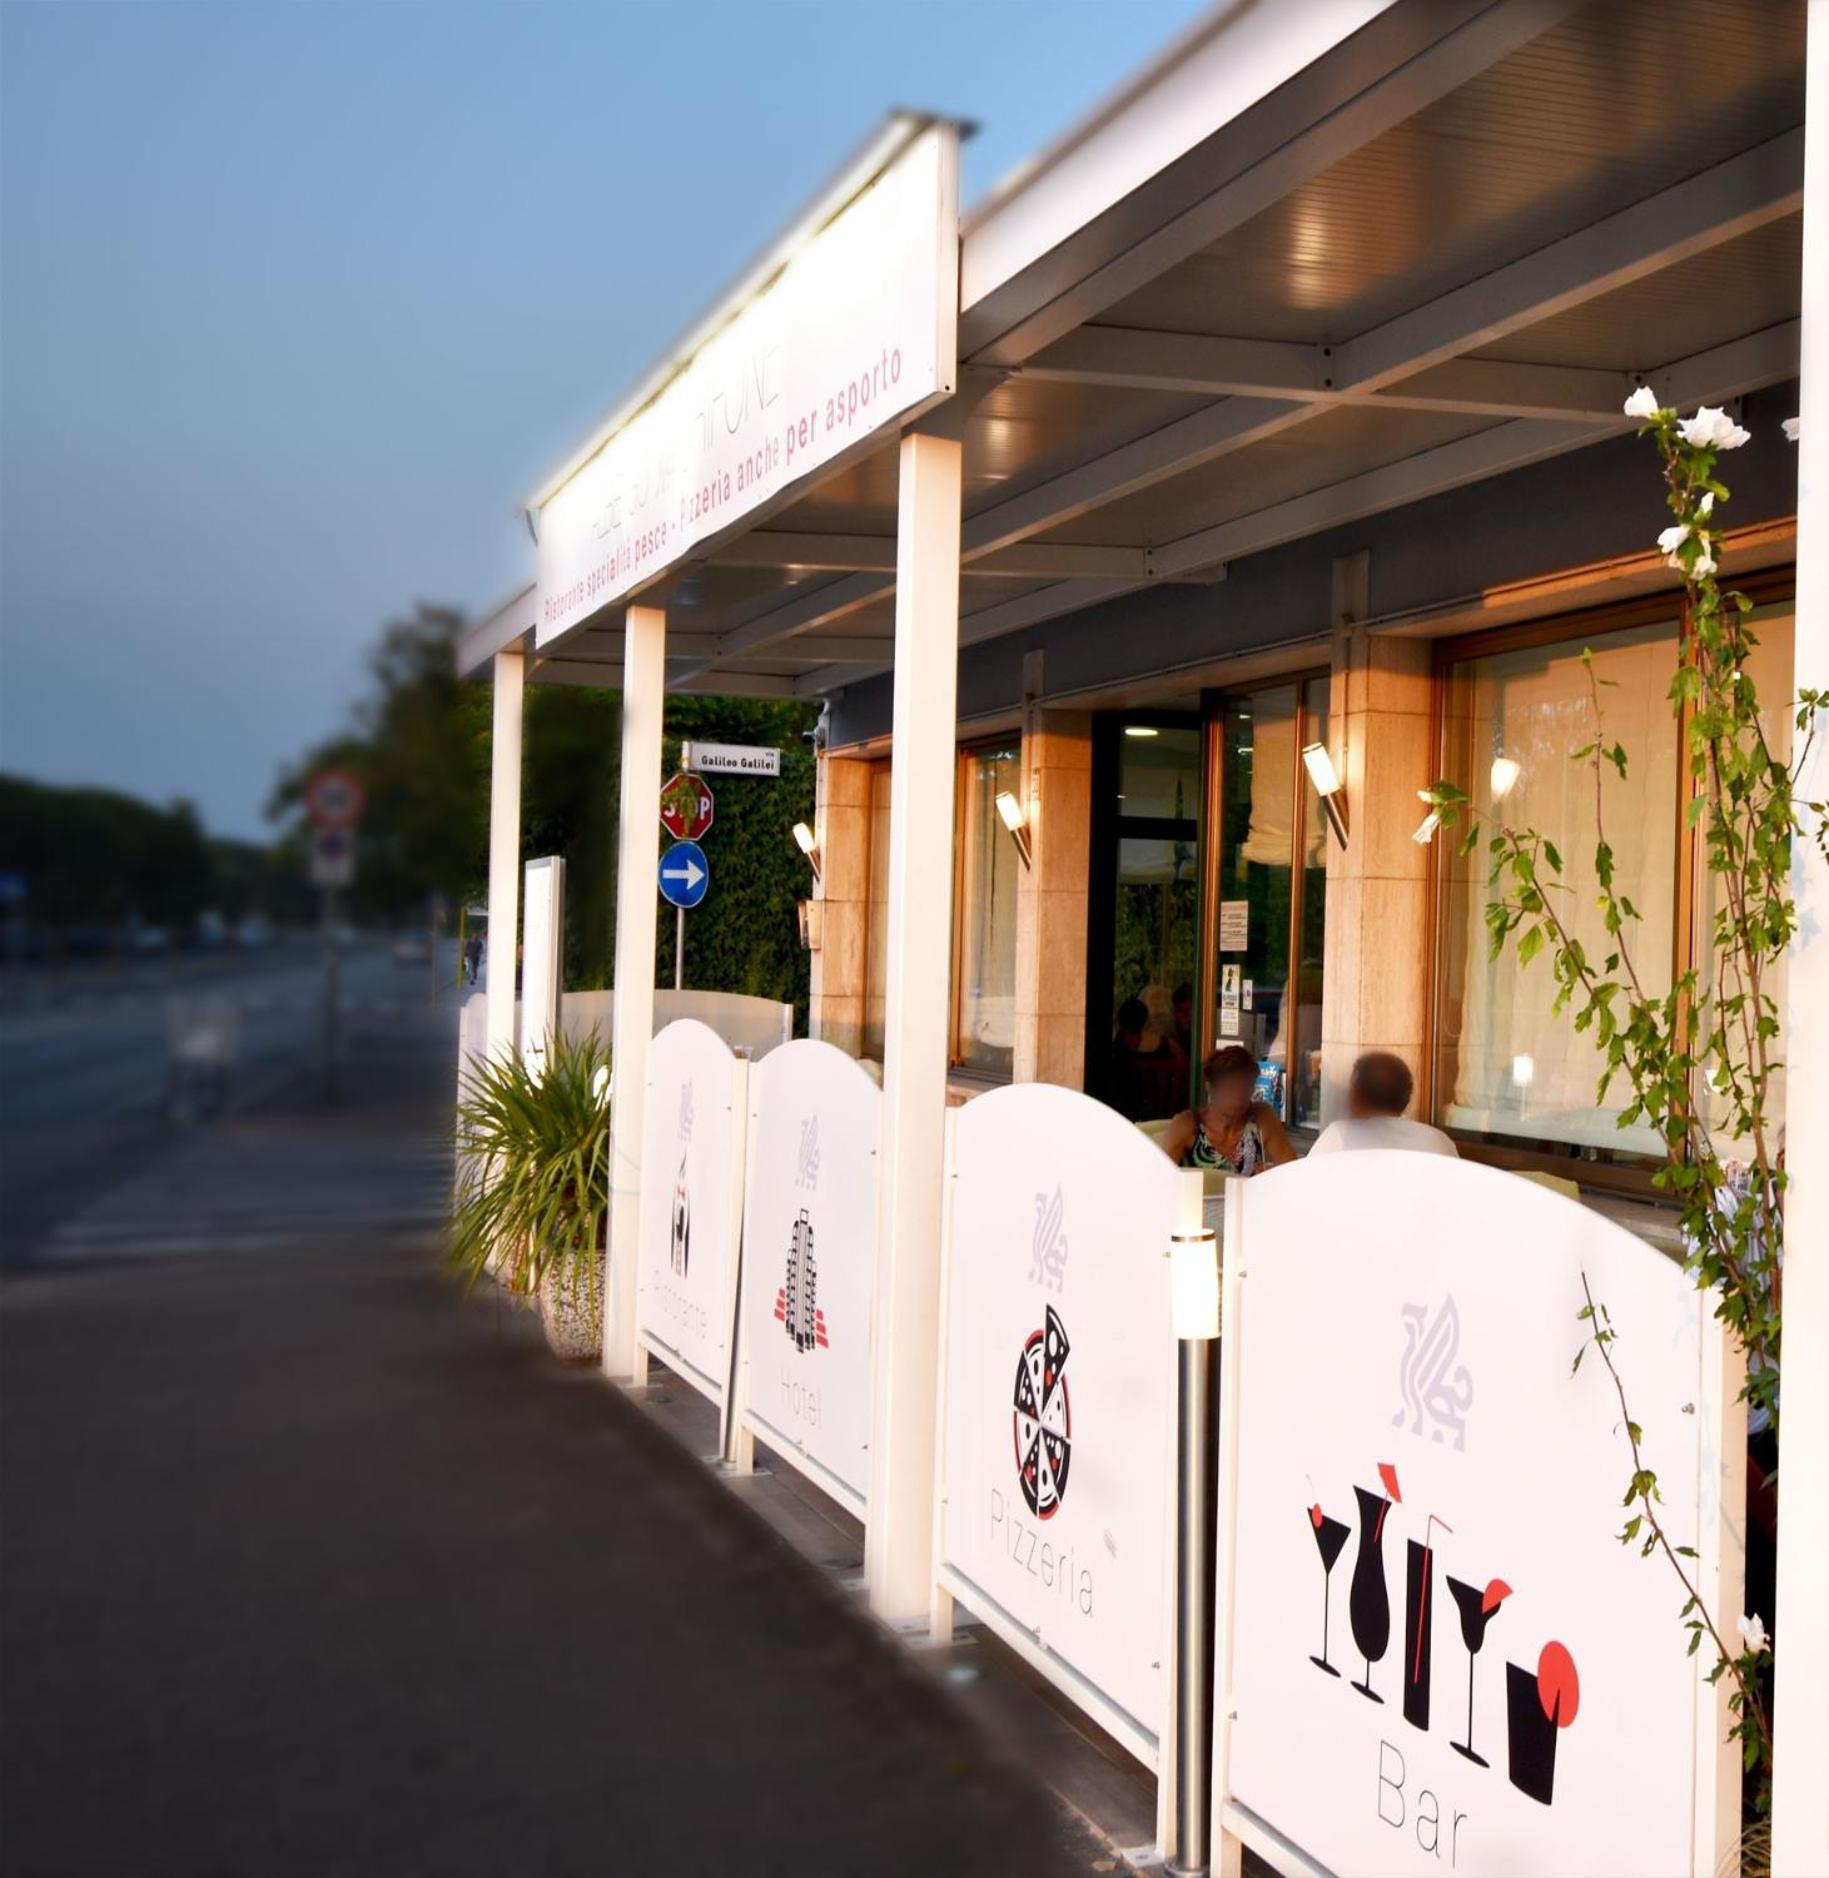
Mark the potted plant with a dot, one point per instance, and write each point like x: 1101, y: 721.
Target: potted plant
x: 532, y: 1202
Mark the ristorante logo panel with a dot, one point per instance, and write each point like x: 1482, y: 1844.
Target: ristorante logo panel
x: 688, y: 1193
x: 1060, y: 1363
x: 849, y: 336
x: 1444, y: 1659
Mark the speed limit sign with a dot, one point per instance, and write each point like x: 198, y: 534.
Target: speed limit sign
x: 333, y: 799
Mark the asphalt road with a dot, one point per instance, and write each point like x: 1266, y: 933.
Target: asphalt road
x: 86, y: 1082
x: 310, y: 1564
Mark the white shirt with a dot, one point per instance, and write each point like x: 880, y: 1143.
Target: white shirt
x: 1382, y: 1131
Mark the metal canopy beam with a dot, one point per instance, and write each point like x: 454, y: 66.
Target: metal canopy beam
x: 1763, y: 358
x: 876, y: 554
x: 1716, y: 206
x: 1193, y: 364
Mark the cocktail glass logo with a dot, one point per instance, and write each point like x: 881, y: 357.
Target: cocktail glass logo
x: 806, y: 1159
x: 680, y: 1236
x: 1048, y: 1247
x: 1043, y: 1418
x: 1538, y: 1705
x: 797, y: 1301
x: 1435, y: 1387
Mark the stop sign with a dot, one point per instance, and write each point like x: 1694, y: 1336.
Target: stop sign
x: 685, y: 807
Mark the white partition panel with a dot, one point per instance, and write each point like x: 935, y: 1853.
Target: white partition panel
x: 1435, y: 1652
x: 691, y: 1205
x: 1058, y: 1395
x: 809, y: 1262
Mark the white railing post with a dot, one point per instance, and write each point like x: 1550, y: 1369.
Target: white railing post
x: 504, y: 854
x: 1800, y: 1794
x: 898, y: 1541
x: 632, y: 1013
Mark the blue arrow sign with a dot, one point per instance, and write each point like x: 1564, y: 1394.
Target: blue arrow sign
x: 685, y: 875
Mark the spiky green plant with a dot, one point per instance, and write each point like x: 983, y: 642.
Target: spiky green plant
x: 535, y: 1159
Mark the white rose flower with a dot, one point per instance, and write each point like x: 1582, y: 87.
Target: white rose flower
x: 1706, y: 507
x: 1712, y: 429
x: 1673, y: 538
x: 1793, y: 425
x: 1753, y: 1633
x: 1703, y: 564
x: 1642, y: 403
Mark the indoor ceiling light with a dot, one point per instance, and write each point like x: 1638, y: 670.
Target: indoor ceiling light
x: 1505, y: 773
x: 1141, y: 730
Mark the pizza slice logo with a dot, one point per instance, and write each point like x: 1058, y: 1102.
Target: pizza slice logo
x: 1043, y: 1418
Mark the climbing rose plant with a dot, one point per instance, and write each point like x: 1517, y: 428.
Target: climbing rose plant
x: 1698, y: 1060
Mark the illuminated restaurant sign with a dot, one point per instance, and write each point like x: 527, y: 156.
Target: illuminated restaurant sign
x: 853, y: 330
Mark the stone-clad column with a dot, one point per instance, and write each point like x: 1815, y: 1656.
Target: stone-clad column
x: 1377, y: 982
x: 1051, y: 901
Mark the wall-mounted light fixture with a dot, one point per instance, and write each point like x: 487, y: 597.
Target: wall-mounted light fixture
x: 808, y: 845
x: 1010, y: 810
x: 1505, y: 773
x: 1328, y: 787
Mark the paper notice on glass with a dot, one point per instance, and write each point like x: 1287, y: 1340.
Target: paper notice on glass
x: 1229, y: 992
x: 1234, y: 925
x: 1249, y: 989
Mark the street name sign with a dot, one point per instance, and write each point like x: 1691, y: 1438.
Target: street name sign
x: 685, y: 875
x: 732, y: 759
x: 686, y: 807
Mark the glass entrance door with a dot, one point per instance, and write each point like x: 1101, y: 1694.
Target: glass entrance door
x: 1144, y: 914
x: 1269, y: 907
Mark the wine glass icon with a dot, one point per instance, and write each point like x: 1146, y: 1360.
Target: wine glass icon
x: 1477, y: 1605
x: 1330, y: 1542
x: 1370, y: 1602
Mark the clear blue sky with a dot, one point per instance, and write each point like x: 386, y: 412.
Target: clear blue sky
x: 296, y: 300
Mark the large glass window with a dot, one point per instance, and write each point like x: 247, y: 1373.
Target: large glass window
x: 1507, y: 1068
x: 985, y: 961
x: 1271, y: 911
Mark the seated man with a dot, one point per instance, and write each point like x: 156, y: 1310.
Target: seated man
x: 1376, y: 1098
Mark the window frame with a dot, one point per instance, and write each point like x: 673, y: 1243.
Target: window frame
x: 966, y: 754
x: 1618, y: 1171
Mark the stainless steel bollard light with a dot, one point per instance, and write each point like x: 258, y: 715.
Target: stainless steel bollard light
x: 1194, y: 1292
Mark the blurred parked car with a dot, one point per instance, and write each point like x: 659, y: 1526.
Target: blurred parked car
x: 253, y: 932
x: 412, y: 949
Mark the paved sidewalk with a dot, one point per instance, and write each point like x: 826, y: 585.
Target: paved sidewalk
x: 313, y: 1566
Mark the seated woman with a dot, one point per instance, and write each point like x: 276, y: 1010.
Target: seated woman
x: 1234, y: 1130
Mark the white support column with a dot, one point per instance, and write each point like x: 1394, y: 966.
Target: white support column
x: 632, y: 1023
x: 1800, y: 1792
x: 504, y: 853
x: 898, y: 1537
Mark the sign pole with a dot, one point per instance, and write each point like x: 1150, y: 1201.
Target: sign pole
x: 330, y: 995
x: 1194, y: 1271
x: 679, y: 948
